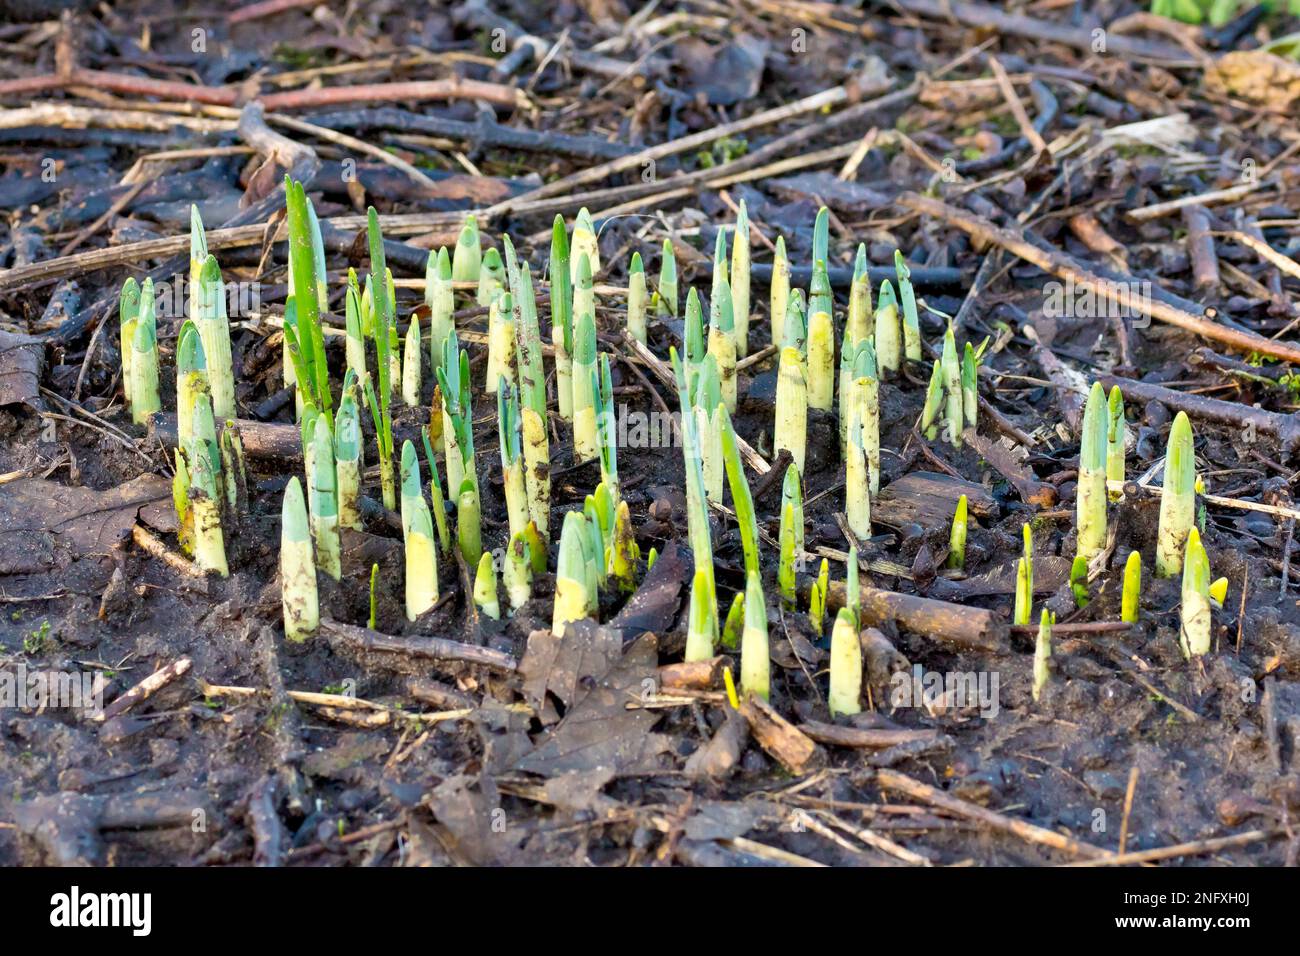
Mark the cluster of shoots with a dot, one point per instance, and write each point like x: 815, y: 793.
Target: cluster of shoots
x: 598, y: 552
x: 952, y: 397
x: 209, y: 485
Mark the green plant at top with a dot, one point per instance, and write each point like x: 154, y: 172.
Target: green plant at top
x: 666, y: 292
x: 602, y: 389
x: 306, y: 340
x: 1091, y: 494
x: 741, y: 498
x: 562, y: 317
x: 697, y: 517
x: 911, y: 321
x: 383, y: 320
x: 532, y: 398
x: 458, y: 430
x: 510, y: 434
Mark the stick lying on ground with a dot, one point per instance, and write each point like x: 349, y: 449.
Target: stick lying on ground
x: 427, y: 648
x: 1066, y: 268
x: 1285, y: 427
x: 892, y: 780
x: 261, y: 439
x: 971, y: 627
x: 146, y: 688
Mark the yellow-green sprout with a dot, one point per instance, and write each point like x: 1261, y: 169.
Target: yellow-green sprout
x: 584, y: 244
x: 1091, y: 495
x: 440, y: 297
x: 214, y: 328
x: 570, y: 574
x: 501, y: 342
x: 191, y: 379
x: 1129, y: 602
x: 889, y: 346
x: 954, y: 407
x: 1079, y: 580
x: 485, y: 587
x: 701, y: 624
x: 970, y: 396
x: 467, y: 260
x: 911, y: 321
x: 779, y: 299
x: 735, y: 622
x: 740, y: 260
x: 411, y: 372
x: 791, y: 428
x: 517, y: 573
x: 1043, y: 652
x: 957, y: 536
x: 348, y: 462
x: 421, y: 563
x: 491, y: 278
x: 144, y: 359
x: 586, y: 437
x: 821, y: 361
x: 1115, y: 444
x: 1025, y: 581
x: 205, y: 508
x: 468, y: 531
x: 859, y: 326
x: 297, y: 567
x: 637, y: 302
x: 624, y: 553
x: 1195, y: 612
x: 722, y: 339
x: 817, y: 598
x: 128, y: 312
x: 666, y: 293
x: 1178, y: 498
x: 322, y: 495
x: 562, y: 318
x: 754, y: 651
x: 846, y: 666
x: 933, y: 401
x: 510, y: 433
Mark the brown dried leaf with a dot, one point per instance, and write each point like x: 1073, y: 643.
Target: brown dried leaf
x: 1258, y: 76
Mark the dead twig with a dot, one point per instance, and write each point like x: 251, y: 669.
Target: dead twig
x: 1059, y: 264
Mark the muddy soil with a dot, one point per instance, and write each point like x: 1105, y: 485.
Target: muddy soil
x: 471, y: 764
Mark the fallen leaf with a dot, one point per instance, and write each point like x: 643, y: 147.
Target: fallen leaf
x: 929, y: 499
x: 656, y: 604
x: 39, y: 518
x: 595, y: 680
x: 726, y: 74
x: 1050, y: 572
x: 477, y: 828
x: 1257, y: 76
